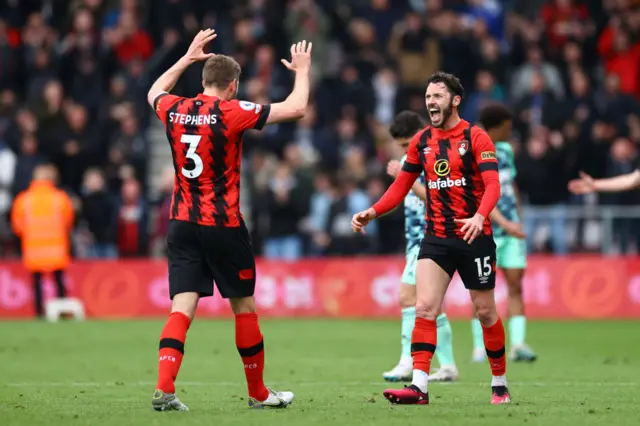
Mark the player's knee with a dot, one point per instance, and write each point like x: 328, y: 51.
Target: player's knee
x: 243, y: 305
x: 487, y: 313
x: 515, y: 289
x: 407, y: 296
x: 427, y: 310
x: 185, y: 303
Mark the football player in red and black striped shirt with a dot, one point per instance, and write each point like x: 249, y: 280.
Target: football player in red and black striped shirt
x: 207, y: 238
x: 461, y: 176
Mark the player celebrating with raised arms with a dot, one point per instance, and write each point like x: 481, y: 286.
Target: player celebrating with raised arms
x: 207, y: 238
x: 461, y: 173
x: 405, y: 127
x: 511, y: 251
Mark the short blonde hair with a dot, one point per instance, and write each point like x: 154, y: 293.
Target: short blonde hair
x: 219, y: 71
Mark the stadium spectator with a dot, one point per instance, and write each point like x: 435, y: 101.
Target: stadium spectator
x: 545, y: 152
x: 620, y: 50
x: 99, y: 212
x: 132, y: 216
x: 623, y: 159
x: 285, y: 206
x: 349, y: 200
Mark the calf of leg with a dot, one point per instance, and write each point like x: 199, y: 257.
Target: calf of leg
x: 432, y: 282
x: 250, y: 345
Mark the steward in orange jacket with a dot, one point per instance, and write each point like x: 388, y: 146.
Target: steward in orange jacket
x: 42, y: 217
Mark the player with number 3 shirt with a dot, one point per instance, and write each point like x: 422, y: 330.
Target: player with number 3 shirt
x: 207, y: 240
x: 461, y: 174
x: 207, y: 186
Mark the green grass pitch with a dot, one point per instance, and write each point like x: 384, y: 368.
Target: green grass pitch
x: 103, y: 373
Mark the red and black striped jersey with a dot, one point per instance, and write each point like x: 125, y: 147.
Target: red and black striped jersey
x: 205, y: 135
x: 453, y: 162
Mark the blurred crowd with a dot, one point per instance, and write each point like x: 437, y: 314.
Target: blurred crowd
x: 74, y: 75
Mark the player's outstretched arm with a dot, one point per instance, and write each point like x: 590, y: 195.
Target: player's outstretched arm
x: 393, y: 169
x: 398, y: 190
x: 195, y: 53
x: 586, y: 184
x: 295, y: 106
x: 389, y: 200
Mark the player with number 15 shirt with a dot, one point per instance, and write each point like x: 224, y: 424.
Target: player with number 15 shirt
x: 462, y: 188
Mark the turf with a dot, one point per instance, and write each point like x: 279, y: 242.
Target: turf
x: 103, y: 373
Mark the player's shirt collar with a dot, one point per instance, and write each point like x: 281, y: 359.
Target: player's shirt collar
x: 204, y: 97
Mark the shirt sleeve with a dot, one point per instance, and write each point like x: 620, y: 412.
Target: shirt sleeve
x: 244, y: 115
x: 412, y: 163
x: 484, y: 151
x: 162, y: 104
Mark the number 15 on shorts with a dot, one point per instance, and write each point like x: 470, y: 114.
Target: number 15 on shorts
x: 484, y: 266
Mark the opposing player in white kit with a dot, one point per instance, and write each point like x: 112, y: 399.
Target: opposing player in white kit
x: 404, y: 127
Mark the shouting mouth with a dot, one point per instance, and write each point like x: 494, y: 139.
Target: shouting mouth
x: 436, y: 114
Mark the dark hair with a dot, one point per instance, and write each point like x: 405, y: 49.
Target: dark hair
x: 219, y: 71
x: 493, y: 115
x: 406, y: 125
x: 451, y: 81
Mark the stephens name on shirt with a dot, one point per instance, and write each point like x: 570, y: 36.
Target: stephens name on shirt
x: 193, y: 120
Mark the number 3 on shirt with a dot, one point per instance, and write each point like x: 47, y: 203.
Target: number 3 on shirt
x: 192, y: 141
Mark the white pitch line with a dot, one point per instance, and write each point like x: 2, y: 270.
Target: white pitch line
x: 515, y: 384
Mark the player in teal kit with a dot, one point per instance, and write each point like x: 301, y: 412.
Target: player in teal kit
x: 405, y: 126
x: 511, y: 248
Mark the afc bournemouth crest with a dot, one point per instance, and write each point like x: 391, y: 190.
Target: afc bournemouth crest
x: 463, y: 147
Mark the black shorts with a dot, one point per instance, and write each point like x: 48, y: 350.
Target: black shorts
x: 475, y: 262
x: 199, y: 255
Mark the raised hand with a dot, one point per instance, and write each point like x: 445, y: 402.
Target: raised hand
x: 196, y: 53
x: 300, y: 57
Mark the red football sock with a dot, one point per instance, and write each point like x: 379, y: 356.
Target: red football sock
x: 423, y: 343
x: 251, y: 348
x: 172, y: 341
x: 494, y: 345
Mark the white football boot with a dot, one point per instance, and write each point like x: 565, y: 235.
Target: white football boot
x: 274, y: 400
x: 446, y: 373
x: 403, y: 372
x: 162, y: 401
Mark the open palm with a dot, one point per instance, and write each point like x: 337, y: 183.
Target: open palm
x: 583, y: 185
x: 196, y: 53
x: 300, y: 57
